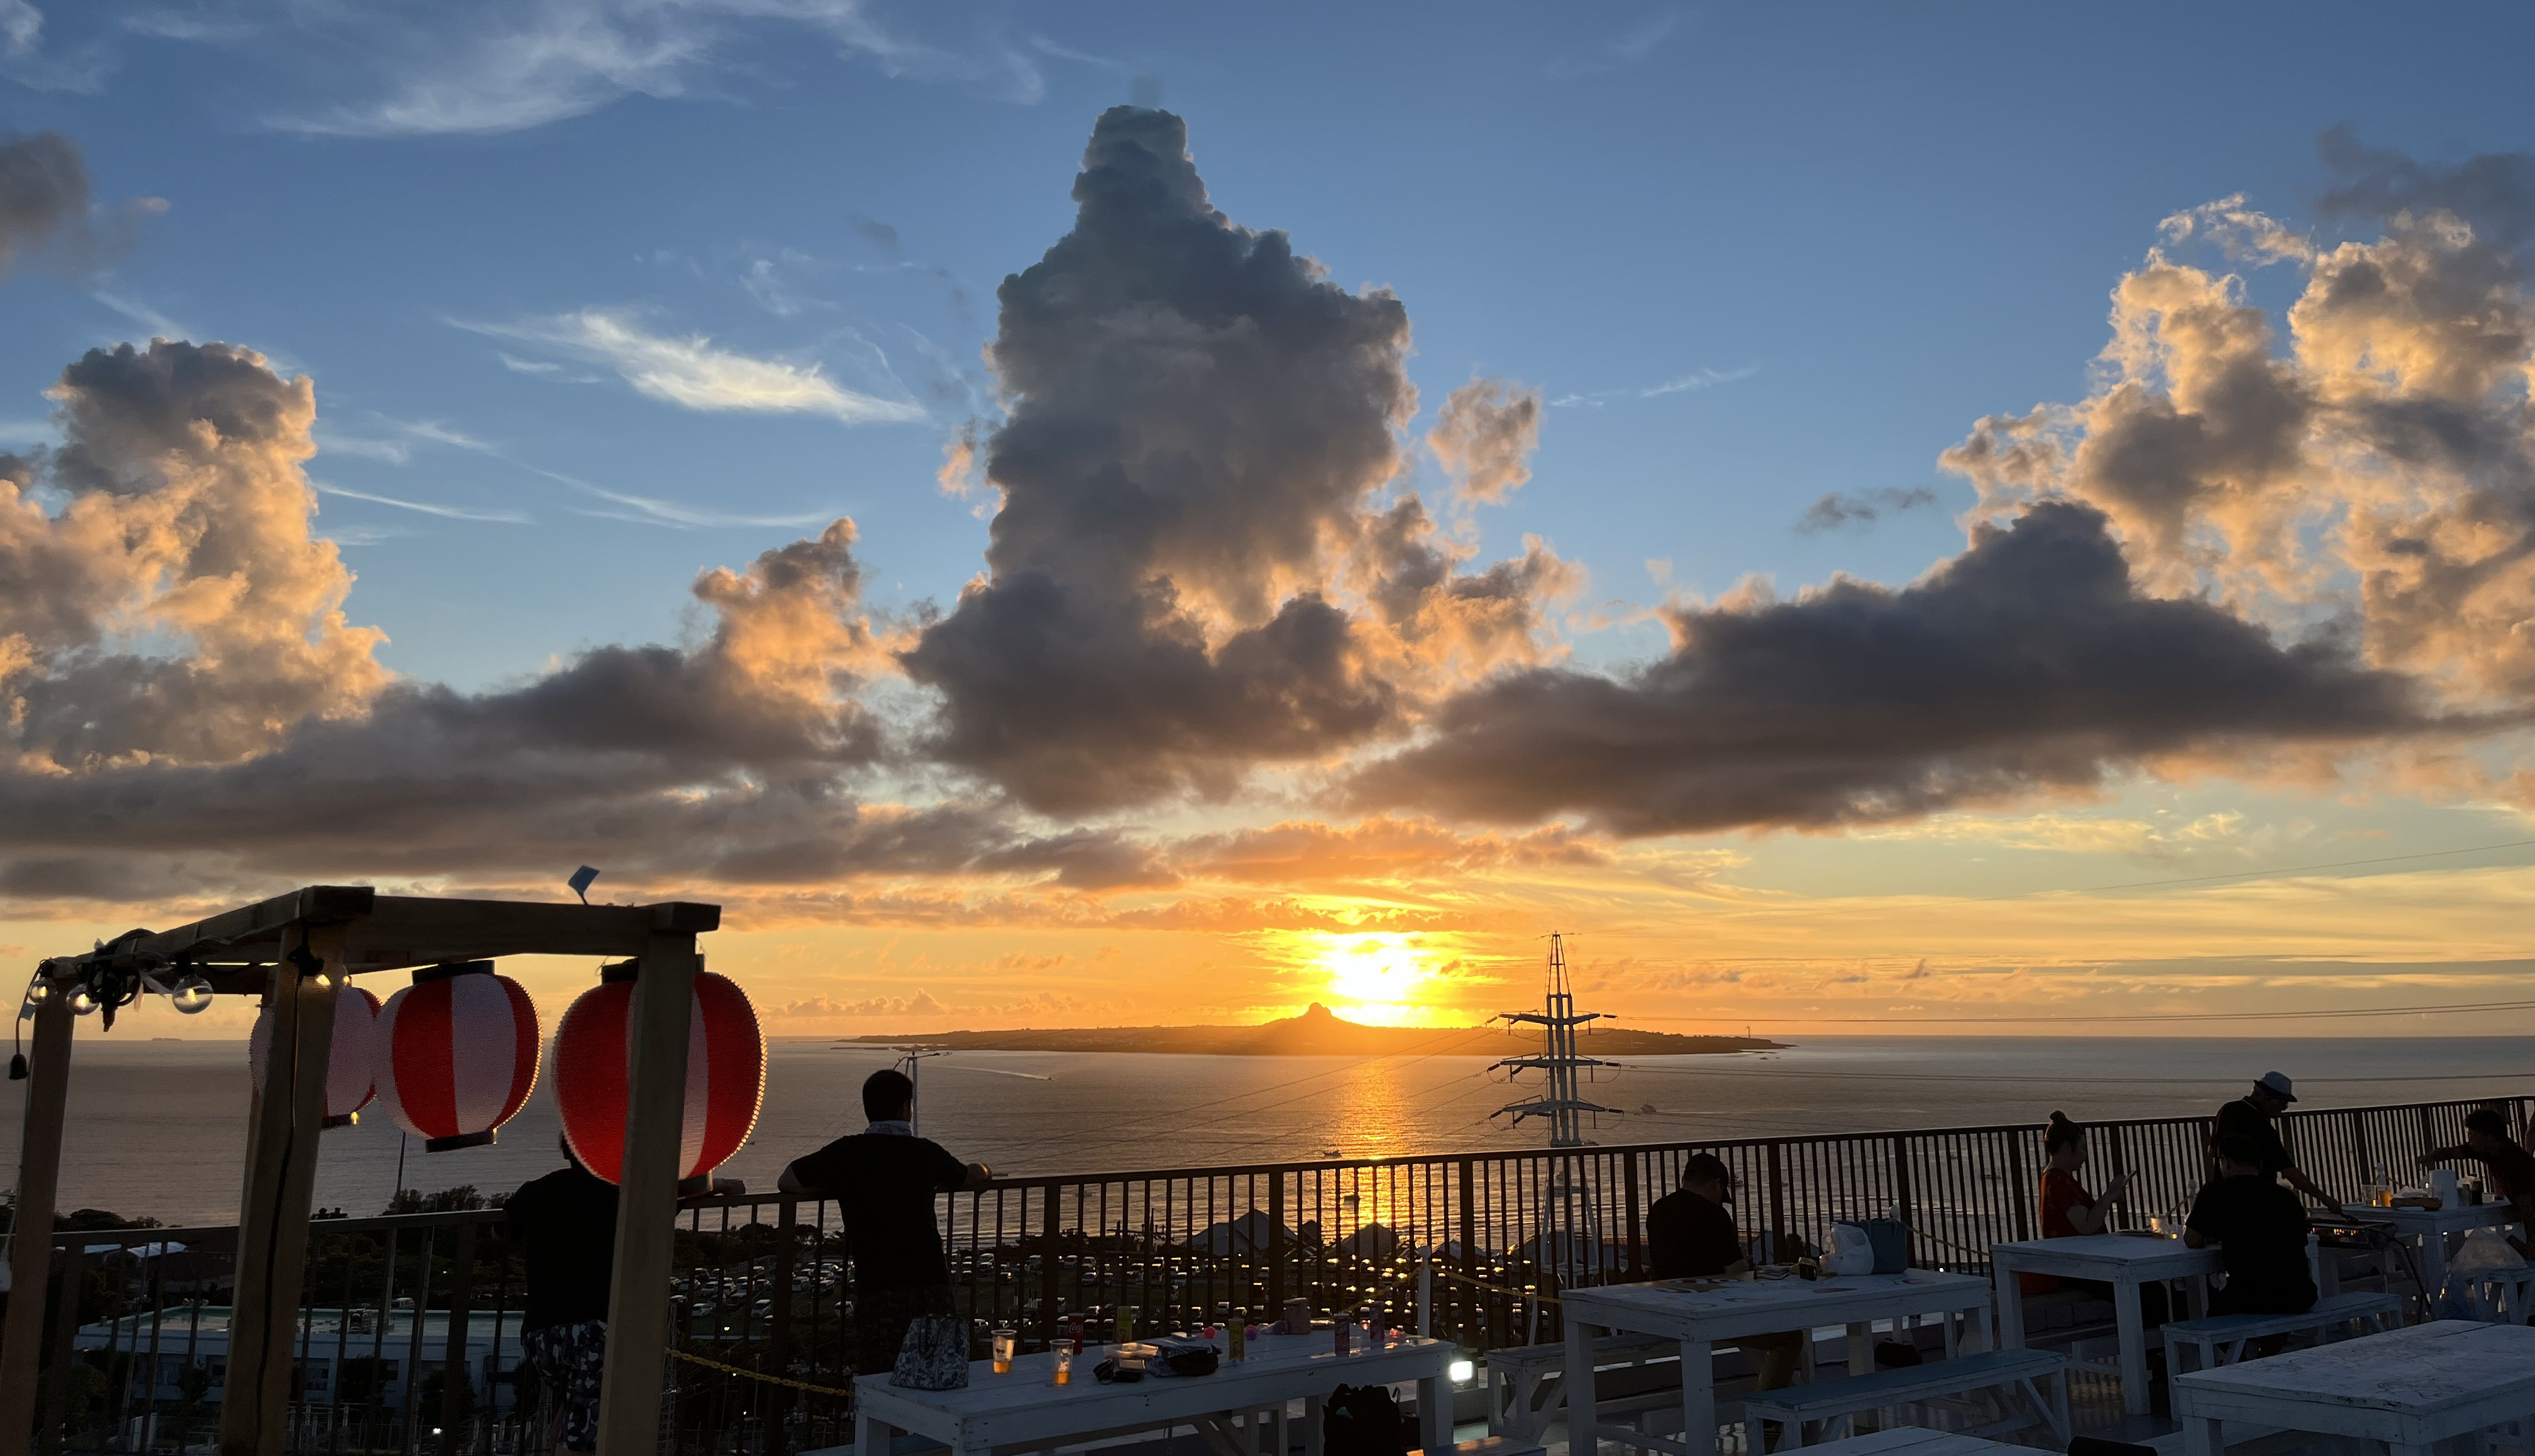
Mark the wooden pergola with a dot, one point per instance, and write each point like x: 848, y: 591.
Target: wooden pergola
x: 297, y: 948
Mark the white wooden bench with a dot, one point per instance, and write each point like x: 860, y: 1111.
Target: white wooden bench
x: 1517, y: 1408
x: 2205, y: 1344
x: 2024, y: 1371
x: 1489, y: 1445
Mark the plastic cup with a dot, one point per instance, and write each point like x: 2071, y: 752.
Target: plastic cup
x: 1063, y: 1364
x: 1005, y: 1340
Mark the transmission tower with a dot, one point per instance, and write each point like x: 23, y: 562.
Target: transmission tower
x: 1562, y: 1106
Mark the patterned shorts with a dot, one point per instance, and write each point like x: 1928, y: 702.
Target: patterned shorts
x: 880, y: 1318
x: 569, y: 1360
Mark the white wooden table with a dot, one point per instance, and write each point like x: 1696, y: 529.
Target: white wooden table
x: 1699, y: 1313
x: 1028, y: 1410
x: 2123, y: 1260
x: 2429, y: 1230
x: 2407, y: 1387
x: 1917, y: 1440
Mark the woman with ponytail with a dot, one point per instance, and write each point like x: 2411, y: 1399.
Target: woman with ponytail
x: 2068, y: 1211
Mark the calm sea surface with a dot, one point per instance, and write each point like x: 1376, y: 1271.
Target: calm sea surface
x: 160, y: 1127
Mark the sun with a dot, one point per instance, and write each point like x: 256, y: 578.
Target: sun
x: 1380, y: 978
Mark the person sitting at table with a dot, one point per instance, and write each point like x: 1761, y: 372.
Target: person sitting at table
x: 2068, y: 1211
x: 2260, y: 1232
x: 1689, y: 1235
x: 2511, y: 1168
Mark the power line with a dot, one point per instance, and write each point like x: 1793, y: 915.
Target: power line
x: 2387, y: 859
x: 2055, y: 1078
x: 2344, y: 1012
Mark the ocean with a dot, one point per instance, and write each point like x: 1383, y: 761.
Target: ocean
x: 157, y: 1128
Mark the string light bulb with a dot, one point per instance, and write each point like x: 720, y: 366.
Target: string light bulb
x: 40, y: 993
x: 82, y: 1002
x: 192, y: 995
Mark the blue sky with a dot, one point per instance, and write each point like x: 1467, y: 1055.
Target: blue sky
x: 1873, y: 228
x: 600, y: 294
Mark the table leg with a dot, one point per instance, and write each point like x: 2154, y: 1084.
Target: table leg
x: 871, y: 1436
x: 2133, y: 1338
x: 2434, y: 1265
x: 2201, y: 1437
x: 1582, y: 1438
x: 1312, y: 1426
x: 1698, y: 1401
x: 1435, y: 1411
x: 1861, y: 1349
x: 2011, y: 1304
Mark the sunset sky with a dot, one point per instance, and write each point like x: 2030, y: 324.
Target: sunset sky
x: 1866, y: 519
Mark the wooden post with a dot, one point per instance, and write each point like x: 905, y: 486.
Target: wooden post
x: 638, y: 1299
x: 30, y: 1249
x: 781, y: 1399
x: 281, y: 1176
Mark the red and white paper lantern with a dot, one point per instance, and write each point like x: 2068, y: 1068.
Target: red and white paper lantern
x: 458, y: 1053
x: 352, y: 1065
x: 725, y: 1073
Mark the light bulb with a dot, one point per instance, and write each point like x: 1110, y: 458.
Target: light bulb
x: 193, y: 994
x: 40, y: 993
x: 82, y: 1002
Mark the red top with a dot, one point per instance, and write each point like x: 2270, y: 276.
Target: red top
x: 2061, y: 1191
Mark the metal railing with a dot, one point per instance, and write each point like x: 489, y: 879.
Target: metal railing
x: 1474, y: 1247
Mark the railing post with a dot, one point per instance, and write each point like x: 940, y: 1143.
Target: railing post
x: 1778, y: 1228
x: 1276, y: 1243
x: 638, y: 1300
x: 782, y: 1398
x: 2020, y: 1195
x: 1470, y: 1292
x: 1050, y: 1269
x: 456, y: 1384
x: 282, y: 1177
x: 1629, y: 1190
x: 1901, y: 1195
x: 31, y: 1252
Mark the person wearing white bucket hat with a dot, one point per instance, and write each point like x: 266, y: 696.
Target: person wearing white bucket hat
x: 2252, y: 1116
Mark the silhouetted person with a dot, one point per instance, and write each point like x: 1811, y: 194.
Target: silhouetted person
x: 2255, y: 1116
x: 2069, y: 1211
x: 2511, y: 1168
x: 2260, y: 1232
x: 884, y: 1180
x: 565, y: 1225
x: 1689, y: 1235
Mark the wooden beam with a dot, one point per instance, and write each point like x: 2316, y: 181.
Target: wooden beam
x: 638, y: 1299
x: 396, y: 932
x: 282, y: 1177
x: 39, y: 1170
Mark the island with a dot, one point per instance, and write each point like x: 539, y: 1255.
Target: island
x: 1319, y: 1032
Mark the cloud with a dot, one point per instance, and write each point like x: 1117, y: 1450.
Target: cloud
x: 47, y: 217
x: 1485, y: 435
x: 823, y: 1008
x: 1836, y: 509
x: 451, y: 513
x: 1620, y: 51
x: 485, y: 67
x: 1197, y: 420
x: 693, y: 374
x: 2369, y: 465
x: 2029, y: 663
x: 1679, y: 383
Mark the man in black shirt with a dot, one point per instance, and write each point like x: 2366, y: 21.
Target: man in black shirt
x: 2251, y: 1117
x: 2511, y: 1168
x: 2260, y: 1232
x: 565, y: 1225
x: 1689, y: 1235
x: 884, y: 1180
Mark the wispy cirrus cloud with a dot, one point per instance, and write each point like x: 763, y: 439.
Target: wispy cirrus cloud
x: 692, y: 370
x: 495, y: 66
x: 426, y: 508
x: 1679, y: 383
x: 1620, y: 51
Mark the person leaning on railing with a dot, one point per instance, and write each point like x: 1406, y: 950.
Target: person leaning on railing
x: 2511, y: 1168
x: 2068, y: 1211
x: 564, y: 1225
x: 1689, y: 1235
x: 884, y: 1180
